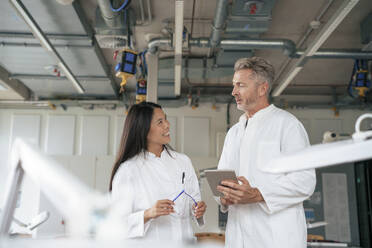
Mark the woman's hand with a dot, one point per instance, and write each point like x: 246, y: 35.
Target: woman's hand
x: 199, y: 210
x: 161, y: 207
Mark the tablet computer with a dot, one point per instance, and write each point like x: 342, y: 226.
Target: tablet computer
x: 214, y: 178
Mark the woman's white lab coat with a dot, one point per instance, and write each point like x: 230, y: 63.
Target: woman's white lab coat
x: 280, y: 220
x: 145, y: 179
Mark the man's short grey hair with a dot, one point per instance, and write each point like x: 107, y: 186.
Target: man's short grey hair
x: 261, y: 69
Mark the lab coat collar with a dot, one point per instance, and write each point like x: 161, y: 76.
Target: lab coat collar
x: 152, y: 155
x: 259, y: 114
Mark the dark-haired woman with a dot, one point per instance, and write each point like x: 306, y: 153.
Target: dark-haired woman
x: 159, y: 185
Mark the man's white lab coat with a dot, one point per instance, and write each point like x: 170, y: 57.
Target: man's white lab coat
x: 145, y: 179
x: 249, y: 145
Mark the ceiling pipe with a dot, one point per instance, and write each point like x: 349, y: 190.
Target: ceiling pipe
x: 142, y: 11
x: 24, y: 44
x: 22, y: 35
x: 149, y: 11
x: 107, y: 14
x: 38, y: 33
x: 287, y: 46
x: 218, y: 23
x: 53, y: 77
x: 338, y: 54
x: 154, y: 44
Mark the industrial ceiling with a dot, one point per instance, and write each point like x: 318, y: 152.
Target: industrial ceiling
x: 312, y: 44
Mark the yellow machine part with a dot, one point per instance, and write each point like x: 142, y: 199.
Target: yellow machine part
x: 362, y: 91
x: 140, y: 98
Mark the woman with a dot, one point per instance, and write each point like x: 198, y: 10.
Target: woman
x: 158, y: 184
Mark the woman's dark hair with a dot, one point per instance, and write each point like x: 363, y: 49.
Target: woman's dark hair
x: 134, y: 138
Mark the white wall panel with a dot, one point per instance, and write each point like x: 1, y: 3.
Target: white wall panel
x: 173, y: 131
x: 26, y: 127
x: 84, y: 168
x: 104, y: 165
x: 94, y: 135
x: 60, y: 135
x: 220, y: 141
x: 120, y: 120
x: 196, y: 136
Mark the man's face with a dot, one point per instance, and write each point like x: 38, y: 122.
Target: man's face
x: 246, y: 90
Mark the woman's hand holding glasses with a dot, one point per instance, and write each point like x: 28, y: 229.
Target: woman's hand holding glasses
x: 199, y: 210
x: 161, y: 207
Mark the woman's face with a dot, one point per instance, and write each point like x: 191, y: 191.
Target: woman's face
x: 159, y: 130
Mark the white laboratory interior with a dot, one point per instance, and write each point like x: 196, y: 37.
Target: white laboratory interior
x: 72, y: 70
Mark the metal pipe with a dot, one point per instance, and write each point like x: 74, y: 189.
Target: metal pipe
x: 338, y: 54
x: 58, y: 101
x: 199, y: 42
x: 219, y: 21
x: 21, y: 35
x: 149, y: 11
x: 36, y: 30
x: 25, y: 44
x: 157, y: 42
x: 142, y: 11
x: 107, y: 14
x: 192, y: 18
x: 51, y: 77
x: 288, y: 47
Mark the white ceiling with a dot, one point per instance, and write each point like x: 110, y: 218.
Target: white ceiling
x: 290, y: 20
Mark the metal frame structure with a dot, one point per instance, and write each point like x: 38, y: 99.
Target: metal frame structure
x: 39, y: 34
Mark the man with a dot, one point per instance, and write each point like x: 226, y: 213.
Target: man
x: 265, y: 210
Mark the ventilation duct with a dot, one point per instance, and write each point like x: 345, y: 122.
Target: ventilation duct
x: 112, y: 28
x: 249, y: 18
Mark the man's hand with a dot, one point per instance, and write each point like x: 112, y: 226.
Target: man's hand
x: 235, y: 193
x: 226, y: 202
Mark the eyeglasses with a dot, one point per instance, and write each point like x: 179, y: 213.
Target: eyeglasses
x: 181, y: 208
x: 184, y: 192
